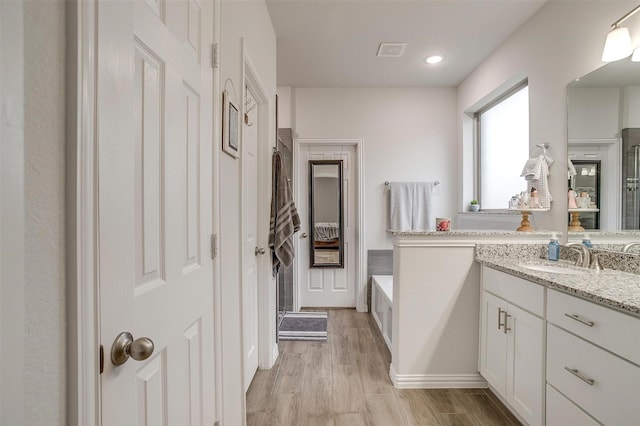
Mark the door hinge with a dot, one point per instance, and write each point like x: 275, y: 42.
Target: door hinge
x: 214, y: 55
x: 101, y: 359
x: 214, y: 246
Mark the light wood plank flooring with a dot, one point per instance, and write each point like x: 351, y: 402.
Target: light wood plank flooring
x: 345, y: 381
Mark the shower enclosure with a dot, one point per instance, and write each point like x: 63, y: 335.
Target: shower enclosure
x: 285, y: 274
x: 630, y: 177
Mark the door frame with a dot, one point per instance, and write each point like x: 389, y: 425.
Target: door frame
x: 361, y: 273
x: 83, y: 304
x: 267, y: 346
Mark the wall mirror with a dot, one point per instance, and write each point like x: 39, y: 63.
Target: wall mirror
x: 326, y: 213
x: 604, y: 128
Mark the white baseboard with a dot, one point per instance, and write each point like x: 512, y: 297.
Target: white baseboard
x: 435, y: 381
x: 274, y: 355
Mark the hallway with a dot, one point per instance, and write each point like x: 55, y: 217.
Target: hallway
x: 345, y: 381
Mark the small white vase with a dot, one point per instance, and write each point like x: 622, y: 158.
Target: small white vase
x: 474, y: 207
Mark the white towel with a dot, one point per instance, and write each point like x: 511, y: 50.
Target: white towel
x: 410, y: 206
x: 536, y: 172
x: 532, y: 168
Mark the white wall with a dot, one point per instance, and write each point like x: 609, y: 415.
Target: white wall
x: 44, y: 334
x: 249, y: 20
x: 562, y: 41
x: 594, y: 112
x: 631, y: 107
x: 408, y: 134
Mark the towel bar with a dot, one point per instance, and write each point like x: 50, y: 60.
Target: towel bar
x: 387, y: 183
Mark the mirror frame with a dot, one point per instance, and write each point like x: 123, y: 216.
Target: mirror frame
x: 312, y: 239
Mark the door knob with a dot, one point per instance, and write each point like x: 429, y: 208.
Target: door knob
x: 304, y: 235
x: 259, y: 251
x: 124, y: 347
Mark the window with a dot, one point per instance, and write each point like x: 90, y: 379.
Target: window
x: 502, y: 138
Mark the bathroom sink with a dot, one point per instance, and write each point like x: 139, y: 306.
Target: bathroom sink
x: 552, y: 269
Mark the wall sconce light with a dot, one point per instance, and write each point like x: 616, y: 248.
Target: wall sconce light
x: 618, y: 44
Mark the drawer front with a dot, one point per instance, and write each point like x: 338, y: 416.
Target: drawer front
x: 613, y: 330
x: 611, y: 397
x: 562, y: 412
x: 520, y: 292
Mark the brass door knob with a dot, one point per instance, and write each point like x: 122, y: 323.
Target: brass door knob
x: 259, y: 251
x: 124, y: 347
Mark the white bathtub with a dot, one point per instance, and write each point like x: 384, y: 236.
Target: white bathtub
x: 382, y: 304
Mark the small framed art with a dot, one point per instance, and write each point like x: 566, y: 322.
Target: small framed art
x: 230, y: 126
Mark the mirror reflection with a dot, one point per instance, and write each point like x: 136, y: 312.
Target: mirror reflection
x: 325, y: 207
x: 604, y: 133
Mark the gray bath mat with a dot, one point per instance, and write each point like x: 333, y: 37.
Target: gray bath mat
x: 303, y: 326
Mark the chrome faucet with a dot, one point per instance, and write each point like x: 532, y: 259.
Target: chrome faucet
x: 628, y: 246
x: 585, y: 255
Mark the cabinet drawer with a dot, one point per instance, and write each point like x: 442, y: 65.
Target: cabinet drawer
x: 612, y: 394
x: 562, y: 412
x: 605, y: 327
x: 520, y: 292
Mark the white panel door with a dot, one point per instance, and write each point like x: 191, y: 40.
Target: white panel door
x: 250, y: 133
x: 327, y: 287
x: 154, y: 162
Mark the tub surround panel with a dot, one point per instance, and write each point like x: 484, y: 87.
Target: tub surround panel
x: 379, y: 262
x: 435, y: 316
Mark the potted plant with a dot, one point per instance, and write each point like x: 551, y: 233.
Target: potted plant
x: 474, y: 206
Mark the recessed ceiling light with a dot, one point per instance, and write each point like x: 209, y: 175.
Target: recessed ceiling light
x: 435, y: 59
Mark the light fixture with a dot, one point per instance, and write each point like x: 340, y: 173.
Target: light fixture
x: 435, y: 59
x: 618, y: 43
x: 636, y: 55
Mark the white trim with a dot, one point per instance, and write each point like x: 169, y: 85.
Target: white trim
x: 216, y: 212
x: 84, y: 383
x: 361, y: 260
x: 436, y: 381
x: 266, y: 138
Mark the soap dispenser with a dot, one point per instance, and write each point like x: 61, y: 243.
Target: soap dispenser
x: 587, y: 241
x: 554, y: 248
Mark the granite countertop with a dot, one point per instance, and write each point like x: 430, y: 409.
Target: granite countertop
x: 612, y: 288
x: 470, y: 233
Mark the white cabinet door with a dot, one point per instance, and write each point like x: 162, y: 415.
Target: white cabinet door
x: 493, y: 342
x: 525, y: 355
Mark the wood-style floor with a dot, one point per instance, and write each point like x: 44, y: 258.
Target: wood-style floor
x: 345, y: 381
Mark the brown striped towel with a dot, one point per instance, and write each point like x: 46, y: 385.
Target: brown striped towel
x: 284, y: 216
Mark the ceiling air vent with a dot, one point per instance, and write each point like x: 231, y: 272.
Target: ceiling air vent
x: 391, y: 50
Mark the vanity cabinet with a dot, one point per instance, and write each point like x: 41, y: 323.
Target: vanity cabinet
x: 592, y: 357
x: 512, y: 336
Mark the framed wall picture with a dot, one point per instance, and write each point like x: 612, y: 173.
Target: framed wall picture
x: 230, y: 126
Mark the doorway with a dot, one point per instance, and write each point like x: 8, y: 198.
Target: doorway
x: 329, y: 286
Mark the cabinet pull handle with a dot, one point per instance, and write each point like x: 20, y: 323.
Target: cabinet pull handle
x: 576, y: 317
x: 506, y: 315
x: 579, y: 375
x: 500, y: 318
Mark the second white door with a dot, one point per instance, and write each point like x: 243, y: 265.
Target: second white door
x: 250, y: 248
x: 327, y: 287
